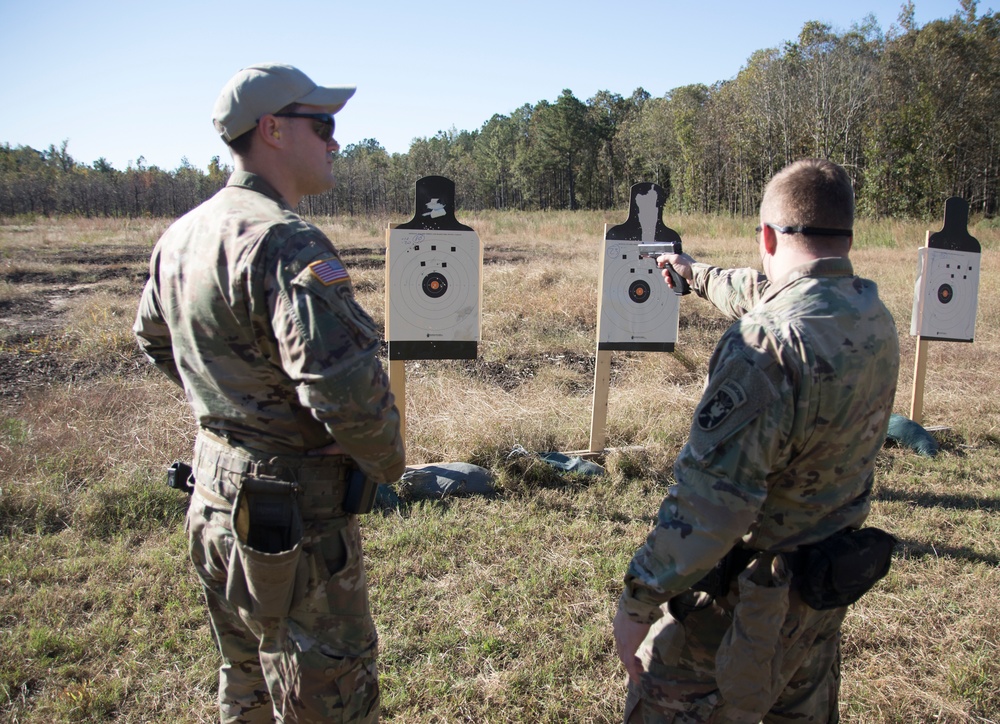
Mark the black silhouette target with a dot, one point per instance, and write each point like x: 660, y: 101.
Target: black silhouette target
x: 638, y: 309
x: 434, y: 285
x: 950, y: 292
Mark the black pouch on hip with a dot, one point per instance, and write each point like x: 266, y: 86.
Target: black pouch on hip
x: 360, y: 497
x: 839, y: 570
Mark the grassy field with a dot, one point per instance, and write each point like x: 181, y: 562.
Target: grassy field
x: 489, y: 609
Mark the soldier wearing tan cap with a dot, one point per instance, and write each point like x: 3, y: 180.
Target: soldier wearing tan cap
x: 250, y: 309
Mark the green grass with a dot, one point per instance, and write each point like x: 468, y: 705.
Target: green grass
x: 488, y: 609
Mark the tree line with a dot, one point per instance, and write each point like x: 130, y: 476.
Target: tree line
x: 910, y: 112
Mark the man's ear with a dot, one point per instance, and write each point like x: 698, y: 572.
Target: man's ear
x: 269, y: 130
x: 769, y: 238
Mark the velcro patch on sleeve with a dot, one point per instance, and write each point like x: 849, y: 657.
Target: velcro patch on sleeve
x: 737, y: 393
x: 329, y: 271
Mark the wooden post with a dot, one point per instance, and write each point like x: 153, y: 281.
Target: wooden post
x: 397, y: 368
x: 919, y: 367
x: 599, y: 415
x: 919, y: 374
x: 397, y: 386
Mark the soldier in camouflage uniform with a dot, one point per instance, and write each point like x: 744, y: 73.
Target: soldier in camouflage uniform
x: 250, y: 309
x: 781, y: 453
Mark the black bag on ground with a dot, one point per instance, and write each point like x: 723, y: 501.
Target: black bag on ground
x: 839, y: 570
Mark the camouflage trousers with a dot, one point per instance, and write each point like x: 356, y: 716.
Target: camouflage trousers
x: 679, y: 684
x: 318, y: 663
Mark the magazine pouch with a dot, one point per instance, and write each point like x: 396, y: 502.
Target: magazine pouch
x: 267, y: 530
x: 839, y: 570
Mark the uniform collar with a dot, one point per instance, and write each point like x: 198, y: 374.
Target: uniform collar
x: 253, y: 182
x: 834, y: 266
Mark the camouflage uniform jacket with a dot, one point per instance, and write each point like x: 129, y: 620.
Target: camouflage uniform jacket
x: 249, y: 308
x: 783, y: 442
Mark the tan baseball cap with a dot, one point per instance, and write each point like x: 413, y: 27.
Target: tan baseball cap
x: 267, y: 88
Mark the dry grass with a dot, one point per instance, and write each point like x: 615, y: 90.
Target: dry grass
x: 492, y: 610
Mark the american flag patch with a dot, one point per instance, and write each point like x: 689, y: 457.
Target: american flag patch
x: 329, y: 271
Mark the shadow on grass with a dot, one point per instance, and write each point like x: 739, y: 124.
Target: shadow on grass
x: 936, y: 500
x: 917, y: 550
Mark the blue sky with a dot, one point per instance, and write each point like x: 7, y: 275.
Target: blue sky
x: 128, y: 79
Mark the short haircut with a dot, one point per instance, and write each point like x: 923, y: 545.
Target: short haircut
x: 809, y: 192
x: 241, y: 145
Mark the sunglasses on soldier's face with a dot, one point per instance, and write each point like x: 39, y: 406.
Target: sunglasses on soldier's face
x: 806, y: 230
x: 323, y: 124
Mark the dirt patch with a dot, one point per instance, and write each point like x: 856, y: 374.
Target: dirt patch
x: 26, y: 367
x: 363, y: 257
x: 40, y: 313
x: 512, y: 372
x: 68, y: 277
x: 374, y: 257
x: 33, y: 355
x: 501, y: 255
x: 505, y: 374
x: 99, y: 257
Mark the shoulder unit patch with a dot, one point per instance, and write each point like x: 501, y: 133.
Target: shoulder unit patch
x: 329, y: 271
x: 727, y: 398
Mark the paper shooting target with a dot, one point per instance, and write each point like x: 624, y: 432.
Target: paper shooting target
x: 638, y: 311
x: 434, y: 274
x: 946, y: 295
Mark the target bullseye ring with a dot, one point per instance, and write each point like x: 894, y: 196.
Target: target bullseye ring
x: 435, y: 285
x: 638, y: 291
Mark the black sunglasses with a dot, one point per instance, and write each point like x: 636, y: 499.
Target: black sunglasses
x: 807, y: 230
x: 323, y: 123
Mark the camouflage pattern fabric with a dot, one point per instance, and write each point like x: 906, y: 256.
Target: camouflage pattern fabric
x: 679, y: 658
x: 781, y: 453
x: 250, y: 309
x: 316, y: 664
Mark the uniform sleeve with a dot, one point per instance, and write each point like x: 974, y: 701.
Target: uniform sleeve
x: 153, y: 335
x: 721, y: 477
x: 733, y: 291
x: 328, y: 346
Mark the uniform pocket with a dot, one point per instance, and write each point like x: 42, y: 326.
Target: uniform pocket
x: 264, y: 560
x: 748, y: 662
x: 334, y: 580
x: 331, y: 685
x: 210, y: 540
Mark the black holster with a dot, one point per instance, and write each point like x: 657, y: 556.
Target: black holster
x: 360, y: 497
x: 180, y: 477
x: 717, y: 581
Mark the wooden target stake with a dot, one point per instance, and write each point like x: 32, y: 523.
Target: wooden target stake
x: 919, y: 372
x: 397, y: 367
